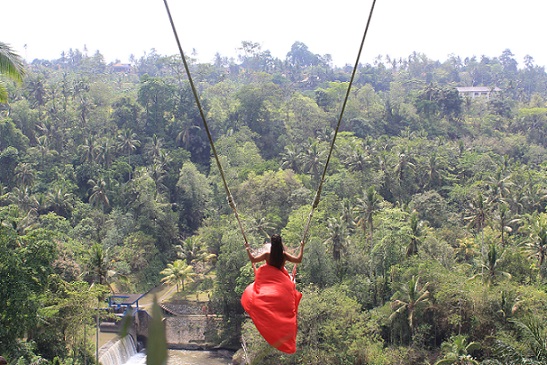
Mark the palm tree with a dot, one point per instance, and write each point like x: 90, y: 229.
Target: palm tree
x: 262, y: 225
x: 105, y: 152
x: 158, y: 173
x: 98, y: 262
x: 89, y: 150
x: 154, y: 149
x: 177, y: 274
x: 490, y: 264
x: 411, y: 298
x: 36, y: 87
x: 537, y: 242
x: 347, y: 215
x: 60, y: 201
x: 42, y: 147
x: 465, y: 250
x: 477, y: 218
x: 415, y: 226
x: 337, y: 237
x: 357, y: 160
x: 24, y: 198
x: 503, y: 220
x: 457, y: 351
x: 184, y: 136
x: 24, y: 173
x: 12, y: 66
x: 365, y: 209
x: 128, y: 142
x: 98, y: 193
x: 291, y: 158
x: 435, y: 174
x: 192, y: 251
x: 312, y: 156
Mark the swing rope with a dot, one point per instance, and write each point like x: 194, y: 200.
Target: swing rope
x: 209, y: 136
x: 331, y: 149
x: 354, y: 72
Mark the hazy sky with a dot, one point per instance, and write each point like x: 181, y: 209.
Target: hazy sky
x: 119, y: 28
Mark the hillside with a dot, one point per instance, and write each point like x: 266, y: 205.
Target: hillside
x: 430, y: 234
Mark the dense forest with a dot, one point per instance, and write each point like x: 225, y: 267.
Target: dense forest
x: 428, y: 244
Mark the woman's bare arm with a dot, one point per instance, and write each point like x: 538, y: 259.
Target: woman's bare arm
x: 296, y: 259
x: 261, y: 257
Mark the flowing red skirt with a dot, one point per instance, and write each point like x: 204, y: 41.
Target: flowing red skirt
x: 272, y: 302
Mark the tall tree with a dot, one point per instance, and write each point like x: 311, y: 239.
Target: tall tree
x: 26, y: 264
x: 128, y: 142
x: 537, y: 239
x: 365, y: 209
x: 409, y: 299
x: 99, y: 193
x: 478, y: 209
x: 415, y: 228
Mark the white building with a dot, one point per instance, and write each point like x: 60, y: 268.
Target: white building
x: 477, y: 91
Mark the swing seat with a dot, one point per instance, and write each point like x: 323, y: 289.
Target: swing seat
x: 272, y: 303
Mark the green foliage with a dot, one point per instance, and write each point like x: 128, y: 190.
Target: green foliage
x: 332, y: 326
x: 458, y: 351
x: 178, y: 273
x: 25, y: 266
x: 157, y: 348
x: 194, y: 195
x: 226, y: 300
x: 107, y: 177
x: 12, y: 66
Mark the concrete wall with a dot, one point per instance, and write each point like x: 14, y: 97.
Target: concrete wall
x: 192, y: 332
x: 188, y: 325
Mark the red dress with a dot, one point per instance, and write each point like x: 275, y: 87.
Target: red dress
x: 272, y: 302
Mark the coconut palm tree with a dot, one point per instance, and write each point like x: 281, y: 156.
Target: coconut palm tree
x: 262, y: 226
x: 105, y: 152
x: 128, y: 142
x: 192, y: 251
x: 537, y: 241
x: 154, y: 148
x: 177, y: 274
x: 478, y: 215
x: 185, y: 134
x: 312, y: 158
x: 503, y: 219
x: 457, y: 351
x: 337, y: 237
x: 11, y: 65
x: 365, y: 209
x: 490, y: 271
x: 415, y: 227
x: 98, y: 262
x: 24, y: 173
x: 99, y: 193
x: 89, y: 150
x: 60, y: 201
x: 410, y: 298
x: 291, y: 158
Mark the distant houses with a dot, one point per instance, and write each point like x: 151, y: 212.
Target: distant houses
x: 477, y: 91
x: 121, y: 67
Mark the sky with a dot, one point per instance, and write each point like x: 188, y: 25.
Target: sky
x: 121, y: 28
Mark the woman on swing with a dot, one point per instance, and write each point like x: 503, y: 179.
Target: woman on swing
x: 272, y: 299
x: 277, y: 255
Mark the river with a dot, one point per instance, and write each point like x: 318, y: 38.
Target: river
x: 184, y: 357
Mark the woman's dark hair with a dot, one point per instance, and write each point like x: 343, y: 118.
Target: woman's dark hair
x: 277, y: 255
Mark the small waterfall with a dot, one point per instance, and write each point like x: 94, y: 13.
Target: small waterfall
x: 119, y: 351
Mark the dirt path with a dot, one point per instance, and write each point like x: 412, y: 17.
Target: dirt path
x: 162, y: 293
